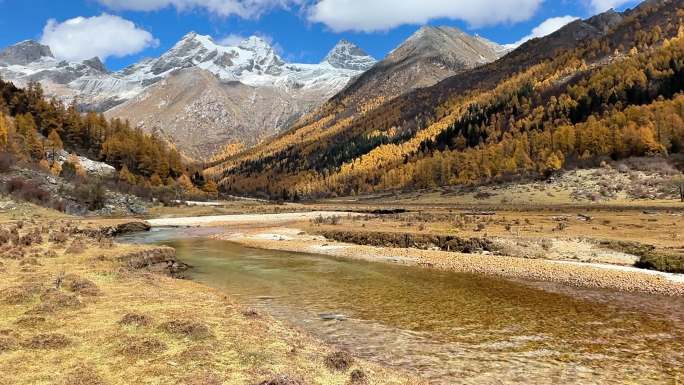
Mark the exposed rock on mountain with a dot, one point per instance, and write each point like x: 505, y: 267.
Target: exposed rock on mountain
x: 348, y: 56
x: 428, y: 56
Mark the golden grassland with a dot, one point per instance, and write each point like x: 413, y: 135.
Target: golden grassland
x: 75, y: 310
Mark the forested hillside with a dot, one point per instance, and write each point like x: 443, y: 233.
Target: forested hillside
x: 607, y: 87
x: 33, y: 128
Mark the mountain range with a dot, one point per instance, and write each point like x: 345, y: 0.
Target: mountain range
x: 203, y: 96
x: 597, y: 89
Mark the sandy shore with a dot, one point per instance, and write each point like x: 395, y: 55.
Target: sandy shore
x: 279, y: 232
x: 227, y: 220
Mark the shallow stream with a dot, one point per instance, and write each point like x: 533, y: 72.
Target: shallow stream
x: 447, y: 327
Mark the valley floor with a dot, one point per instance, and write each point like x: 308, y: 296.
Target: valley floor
x: 77, y: 308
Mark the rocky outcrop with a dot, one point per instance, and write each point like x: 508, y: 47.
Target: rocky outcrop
x: 115, y: 229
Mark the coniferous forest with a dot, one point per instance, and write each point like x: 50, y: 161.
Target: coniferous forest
x: 33, y: 128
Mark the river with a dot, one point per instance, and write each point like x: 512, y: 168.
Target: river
x: 448, y: 328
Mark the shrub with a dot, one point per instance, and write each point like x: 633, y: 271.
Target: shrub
x: 339, y: 360
x: 76, y: 247
x: 7, y: 344
x: 84, y: 375
x: 6, y: 161
x: 80, y: 285
x: 135, y: 319
x: 184, y: 328
x: 666, y: 263
x: 69, y: 170
x: 358, y: 377
x: 58, y: 237
x: 47, y: 341
x: 144, y: 346
x: 332, y: 220
x: 27, y: 190
x: 92, y: 195
x: 282, y: 380
x: 30, y: 321
x: 54, y: 300
x: 5, y: 236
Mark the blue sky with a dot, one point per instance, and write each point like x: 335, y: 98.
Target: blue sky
x: 302, y: 30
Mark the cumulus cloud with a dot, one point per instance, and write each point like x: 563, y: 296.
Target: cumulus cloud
x: 106, y: 35
x: 597, y: 6
x: 379, y: 15
x: 548, y: 27
x: 242, y: 8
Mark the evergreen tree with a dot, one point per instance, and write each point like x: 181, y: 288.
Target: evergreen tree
x: 54, y: 142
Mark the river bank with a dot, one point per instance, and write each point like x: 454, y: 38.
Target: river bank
x: 578, y: 274
x: 78, y: 308
x: 587, y: 266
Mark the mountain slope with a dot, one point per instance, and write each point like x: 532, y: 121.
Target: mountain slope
x: 569, y: 98
x: 200, y: 113
x: 430, y: 55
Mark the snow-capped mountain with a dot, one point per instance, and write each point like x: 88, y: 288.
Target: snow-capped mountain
x: 253, y: 62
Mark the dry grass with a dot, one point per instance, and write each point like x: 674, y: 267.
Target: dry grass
x: 94, y: 320
x: 135, y: 319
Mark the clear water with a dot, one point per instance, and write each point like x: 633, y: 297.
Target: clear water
x: 449, y: 328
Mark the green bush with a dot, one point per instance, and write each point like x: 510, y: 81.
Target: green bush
x: 662, y: 262
x: 92, y: 195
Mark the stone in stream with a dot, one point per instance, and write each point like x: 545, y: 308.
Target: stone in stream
x: 332, y: 317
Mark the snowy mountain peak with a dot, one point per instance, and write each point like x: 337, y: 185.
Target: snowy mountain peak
x: 25, y: 52
x: 255, y: 43
x: 347, y: 55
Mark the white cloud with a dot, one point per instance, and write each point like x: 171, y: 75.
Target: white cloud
x: 242, y: 8
x: 103, y: 36
x: 379, y: 15
x: 232, y: 40
x: 598, y: 6
x: 548, y: 27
